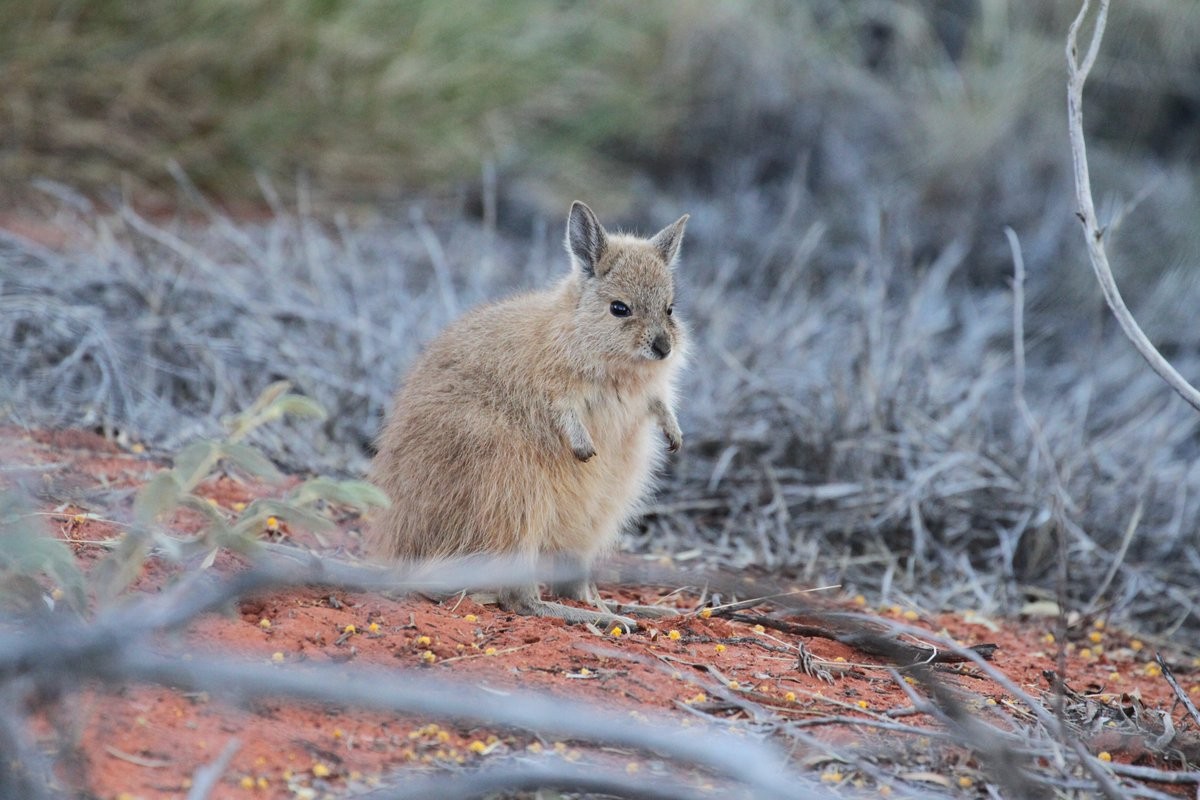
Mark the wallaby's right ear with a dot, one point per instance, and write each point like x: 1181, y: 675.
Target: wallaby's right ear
x: 586, y: 238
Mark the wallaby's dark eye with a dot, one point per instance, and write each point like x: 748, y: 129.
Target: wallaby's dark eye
x: 670, y: 309
x: 619, y: 309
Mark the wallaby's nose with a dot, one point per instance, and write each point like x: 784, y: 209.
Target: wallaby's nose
x: 661, y: 346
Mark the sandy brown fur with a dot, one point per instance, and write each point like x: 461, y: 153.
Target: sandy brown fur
x: 533, y: 426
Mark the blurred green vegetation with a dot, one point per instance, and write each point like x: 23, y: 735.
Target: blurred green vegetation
x: 373, y: 99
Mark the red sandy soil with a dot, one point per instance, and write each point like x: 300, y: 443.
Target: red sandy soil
x: 147, y: 742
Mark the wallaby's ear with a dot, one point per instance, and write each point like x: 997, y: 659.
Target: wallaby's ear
x: 586, y: 238
x: 667, y: 240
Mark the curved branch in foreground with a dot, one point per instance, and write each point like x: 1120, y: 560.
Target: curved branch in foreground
x: 1077, y: 72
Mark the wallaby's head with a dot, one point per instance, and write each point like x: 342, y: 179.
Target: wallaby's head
x: 627, y: 289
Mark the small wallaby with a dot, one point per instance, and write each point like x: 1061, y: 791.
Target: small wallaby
x: 528, y: 428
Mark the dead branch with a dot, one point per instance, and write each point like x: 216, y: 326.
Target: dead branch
x: 1077, y: 72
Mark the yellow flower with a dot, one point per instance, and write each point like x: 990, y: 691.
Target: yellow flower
x: 373, y: 627
x: 137, y: 447
x: 264, y: 623
x: 706, y: 613
x: 272, y: 524
x: 1136, y: 645
x: 616, y: 631
x: 491, y: 651
x: 584, y: 671
x: 1085, y: 652
x: 790, y: 697
x: 832, y: 777
x: 471, y: 618
x: 477, y: 746
x: 1048, y: 638
x: 1098, y: 624
x: 911, y: 615
x: 1153, y: 670
x: 860, y: 600
x: 534, y: 747
x: 863, y: 704
x: 759, y: 629
x: 734, y: 685
x: 262, y: 783
x: 699, y: 697
x: 350, y: 629
x: 673, y: 635
x: 1104, y: 756
x: 247, y: 782
x: 424, y: 641
x: 1095, y: 637
x: 428, y: 657
x: 720, y: 648
x: 239, y: 506
x: 965, y: 782
x: 320, y: 770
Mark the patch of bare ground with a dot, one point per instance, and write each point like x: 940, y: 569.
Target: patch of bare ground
x: 148, y: 742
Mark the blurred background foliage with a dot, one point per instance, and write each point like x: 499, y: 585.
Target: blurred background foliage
x: 374, y: 99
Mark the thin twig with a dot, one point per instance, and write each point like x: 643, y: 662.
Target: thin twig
x: 1093, y: 234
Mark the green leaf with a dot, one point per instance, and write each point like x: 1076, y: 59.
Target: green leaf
x: 27, y: 550
x: 157, y: 497
x: 114, y: 574
x: 359, y: 495
x: 251, y: 461
x: 297, y: 405
x: 195, y: 462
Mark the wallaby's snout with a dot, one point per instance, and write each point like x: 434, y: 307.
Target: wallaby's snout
x: 661, y: 346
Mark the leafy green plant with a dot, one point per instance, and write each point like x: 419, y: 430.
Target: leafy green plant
x: 29, y: 555
x: 175, y: 488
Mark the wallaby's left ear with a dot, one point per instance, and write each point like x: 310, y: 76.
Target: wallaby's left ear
x: 667, y: 240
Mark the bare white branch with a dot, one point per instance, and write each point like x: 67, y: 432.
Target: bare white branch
x: 1093, y: 234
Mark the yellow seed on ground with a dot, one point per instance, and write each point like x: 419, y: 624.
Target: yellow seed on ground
x: 911, y: 615
x: 239, y: 506
x: 262, y: 783
x: 720, y: 648
x: 492, y: 738
x: 734, y: 685
x: 1136, y: 645
x: 272, y: 523
x: 759, y: 629
x: 863, y: 704
x: 373, y: 627
x: 699, y: 697
x: 1114, y: 676
x: 350, y: 629
x: 477, y: 746
x: 860, y: 600
x: 832, y: 777
x: 264, y: 623
x: 631, y: 767
x: 1048, y: 638
x: 471, y: 618
x: 673, y: 635
x: 560, y: 747
x: 584, y: 671
x: 443, y: 736
x: 277, y: 657
x: 57, y: 594
x: 428, y: 657
x: 896, y: 610
x: 247, y: 782
x: 137, y: 447
x: 491, y: 651
x: 840, y: 659
x: 320, y: 770
x: 790, y: 697
x: 965, y: 782
x: 616, y: 631
x: 337, y: 733
x: 1104, y: 756
x: 706, y: 613
x: 424, y: 641
x: 534, y: 747
x: 991, y: 701
x: 1098, y: 624
x: 1095, y: 637
x: 1153, y: 670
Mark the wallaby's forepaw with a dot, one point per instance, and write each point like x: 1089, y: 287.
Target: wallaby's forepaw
x: 674, y: 439
x: 584, y: 453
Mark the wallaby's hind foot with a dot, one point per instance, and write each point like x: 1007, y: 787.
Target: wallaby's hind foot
x: 586, y: 591
x: 525, y: 601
